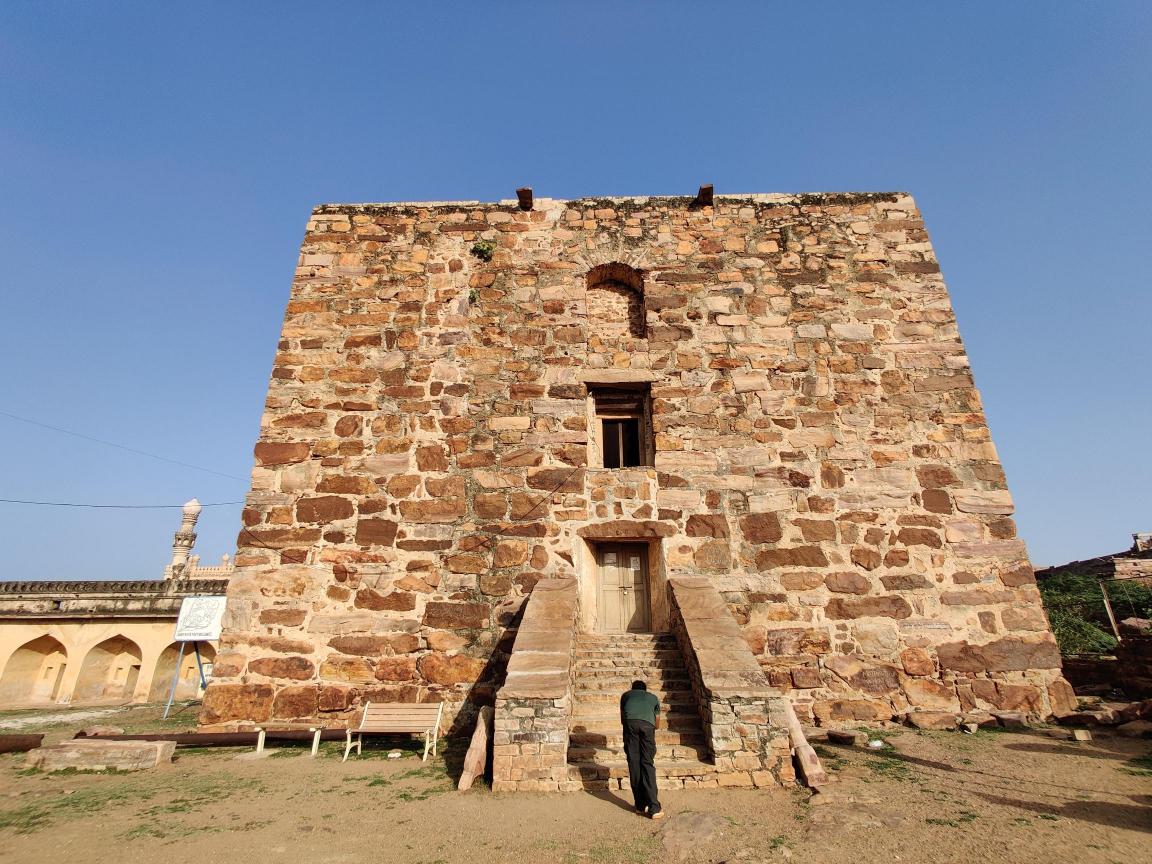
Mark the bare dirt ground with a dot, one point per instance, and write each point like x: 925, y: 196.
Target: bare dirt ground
x: 932, y: 797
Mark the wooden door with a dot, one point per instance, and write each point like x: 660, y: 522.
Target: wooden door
x: 623, y: 601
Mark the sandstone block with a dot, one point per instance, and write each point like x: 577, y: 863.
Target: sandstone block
x: 1010, y: 654
x: 93, y: 755
x: 456, y: 616
x: 886, y: 607
x: 295, y: 668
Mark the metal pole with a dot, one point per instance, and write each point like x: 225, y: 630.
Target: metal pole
x: 1108, y: 608
x: 200, y: 666
x: 175, y: 681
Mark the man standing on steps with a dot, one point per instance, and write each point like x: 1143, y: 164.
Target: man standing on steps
x: 639, y: 715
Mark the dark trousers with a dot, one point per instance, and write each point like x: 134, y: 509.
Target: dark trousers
x: 640, y: 748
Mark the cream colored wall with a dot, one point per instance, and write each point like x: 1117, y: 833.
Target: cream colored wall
x: 151, y: 637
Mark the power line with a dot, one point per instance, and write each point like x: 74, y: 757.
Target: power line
x: 115, y: 506
x: 118, y: 446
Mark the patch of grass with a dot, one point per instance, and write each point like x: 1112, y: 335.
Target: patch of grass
x: 892, y: 768
x: 422, y: 795
x: 426, y: 772
x: 72, y: 804
x: 780, y: 841
x: 830, y: 759
x: 379, y: 781
x: 1139, y: 766
x: 1051, y: 817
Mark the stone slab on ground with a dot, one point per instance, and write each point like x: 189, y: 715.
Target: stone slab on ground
x: 842, y: 736
x: 937, y: 720
x: 91, y: 755
x: 1135, y: 729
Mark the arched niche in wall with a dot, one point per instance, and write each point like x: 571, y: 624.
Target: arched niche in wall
x: 110, y: 672
x: 189, y: 683
x: 33, y: 673
x: 615, y: 301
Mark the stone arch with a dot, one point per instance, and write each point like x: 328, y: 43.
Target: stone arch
x: 34, y: 672
x: 615, y: 300
x: 189, y: 686
x: 109, y: 672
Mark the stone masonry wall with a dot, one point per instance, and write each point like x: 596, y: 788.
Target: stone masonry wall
x: 821, y: 455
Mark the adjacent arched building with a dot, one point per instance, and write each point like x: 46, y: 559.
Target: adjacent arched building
x: 93, y: 642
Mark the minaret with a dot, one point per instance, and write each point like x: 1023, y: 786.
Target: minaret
x: 184, y: 539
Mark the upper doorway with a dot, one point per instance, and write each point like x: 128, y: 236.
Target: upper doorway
x: 623, y: 603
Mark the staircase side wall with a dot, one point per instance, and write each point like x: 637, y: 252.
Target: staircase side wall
x: 533, y: 708
x: 749, y: 743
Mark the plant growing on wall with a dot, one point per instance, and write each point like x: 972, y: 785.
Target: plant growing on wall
x: 483, y: 249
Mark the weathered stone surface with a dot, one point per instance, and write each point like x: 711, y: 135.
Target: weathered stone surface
x: 296, y: 668
x: 273, y: 453
x: 761, y: 528
x: 323, y: 509
x: 457, y: 669
x: 227, y: 701
x: 917, y: 661
x: 456, y: 616
x: 876, y: 679
x: 847, y: 583
x: 887, y: 607
x: 93, y: 755
x: 376, y: 532
x: 709, y: 526
x: 296, y: 702
x: 356, y: 670
x: 1009, y: 654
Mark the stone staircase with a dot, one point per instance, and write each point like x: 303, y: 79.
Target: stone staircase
x: 605, y: 666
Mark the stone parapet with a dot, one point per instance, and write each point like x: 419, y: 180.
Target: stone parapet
x: 743, y: 715
x: 91, y: 598
x: 530, y: 742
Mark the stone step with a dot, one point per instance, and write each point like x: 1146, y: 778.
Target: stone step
x: 609, y: 738
x: 599, y: 718
x: 611, y: 697
x: 671, y: 654
x: 606, y: 755
x: 605, y: 678
x: 615, y: 639
x: 615, y: 661
x: 665, y: 769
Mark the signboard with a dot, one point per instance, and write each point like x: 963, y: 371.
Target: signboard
x: 200, y: 619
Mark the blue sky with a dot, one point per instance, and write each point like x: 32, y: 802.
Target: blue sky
x: 158, y: 162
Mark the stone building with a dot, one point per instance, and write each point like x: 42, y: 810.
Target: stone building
x: 88, y: 642
x: 522, y: 452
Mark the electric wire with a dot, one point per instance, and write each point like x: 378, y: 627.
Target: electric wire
x: 12, y: 416
x: 114, y: 506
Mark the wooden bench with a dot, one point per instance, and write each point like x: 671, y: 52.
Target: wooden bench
x: 395, y: 719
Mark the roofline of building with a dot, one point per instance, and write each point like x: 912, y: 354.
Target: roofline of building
x: 769, y: 198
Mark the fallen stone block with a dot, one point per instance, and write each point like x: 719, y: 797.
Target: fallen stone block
x: 1081, y: 735
x: 931, y: 720
x: 839, y: 736
x: 1135, y: 729
x: 87, y: 754
x: 1011, y: 719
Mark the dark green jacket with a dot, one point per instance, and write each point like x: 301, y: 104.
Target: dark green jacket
x: 639, y: 705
